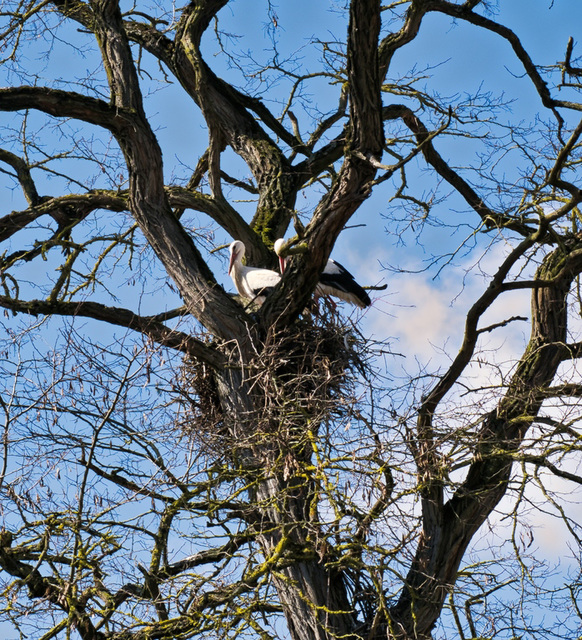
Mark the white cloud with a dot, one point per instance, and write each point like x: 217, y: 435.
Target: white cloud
x: 426, y: 316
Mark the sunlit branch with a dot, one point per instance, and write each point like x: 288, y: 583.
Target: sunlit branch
x: 208, y: 556
x: 570, y: 389
x: 42, y: 587
x: 65, y: 210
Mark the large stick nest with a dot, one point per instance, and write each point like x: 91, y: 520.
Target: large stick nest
x: 300, y: 379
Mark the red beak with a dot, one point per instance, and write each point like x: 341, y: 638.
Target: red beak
x: 233, y: 256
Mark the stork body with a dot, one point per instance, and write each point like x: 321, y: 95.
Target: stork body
x: 335, y: 281
x: 250, y: 282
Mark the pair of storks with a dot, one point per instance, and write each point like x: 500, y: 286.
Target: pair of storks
x: 256, y: 284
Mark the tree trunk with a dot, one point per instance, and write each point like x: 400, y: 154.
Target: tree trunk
x: 314, y: 597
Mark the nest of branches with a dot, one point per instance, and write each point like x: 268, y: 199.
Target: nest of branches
x: 202, y: 417
x: 297, y: 380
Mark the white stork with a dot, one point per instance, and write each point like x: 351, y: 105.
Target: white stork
x: 335, y: 280
x: 250, y: 282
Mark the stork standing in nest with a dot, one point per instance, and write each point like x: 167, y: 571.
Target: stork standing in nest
x: 335, y: 280
x: 250, y: 282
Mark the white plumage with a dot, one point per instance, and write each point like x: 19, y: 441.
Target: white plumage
x: 335, y: 280
x: 250, y: 282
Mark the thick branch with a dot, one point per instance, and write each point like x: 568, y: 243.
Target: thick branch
x: 149, y: 326
x: 147, y: 198
x: 394, y: 41
x: 353, y: 183
x: 65, y: 210
x: 226, y: 113
x: 22, y: 170
x: 65, y: 104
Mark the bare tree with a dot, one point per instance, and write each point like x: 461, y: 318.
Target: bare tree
x: 220, y: 469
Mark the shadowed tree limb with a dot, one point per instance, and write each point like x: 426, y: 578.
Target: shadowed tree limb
x: 148, y: 325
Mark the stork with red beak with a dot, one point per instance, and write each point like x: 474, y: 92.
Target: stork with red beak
x: 250, y: 282
x: 335, y: 280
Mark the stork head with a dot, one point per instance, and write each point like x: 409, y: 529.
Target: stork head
x: 237, y: 251
x: 282, y: 261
